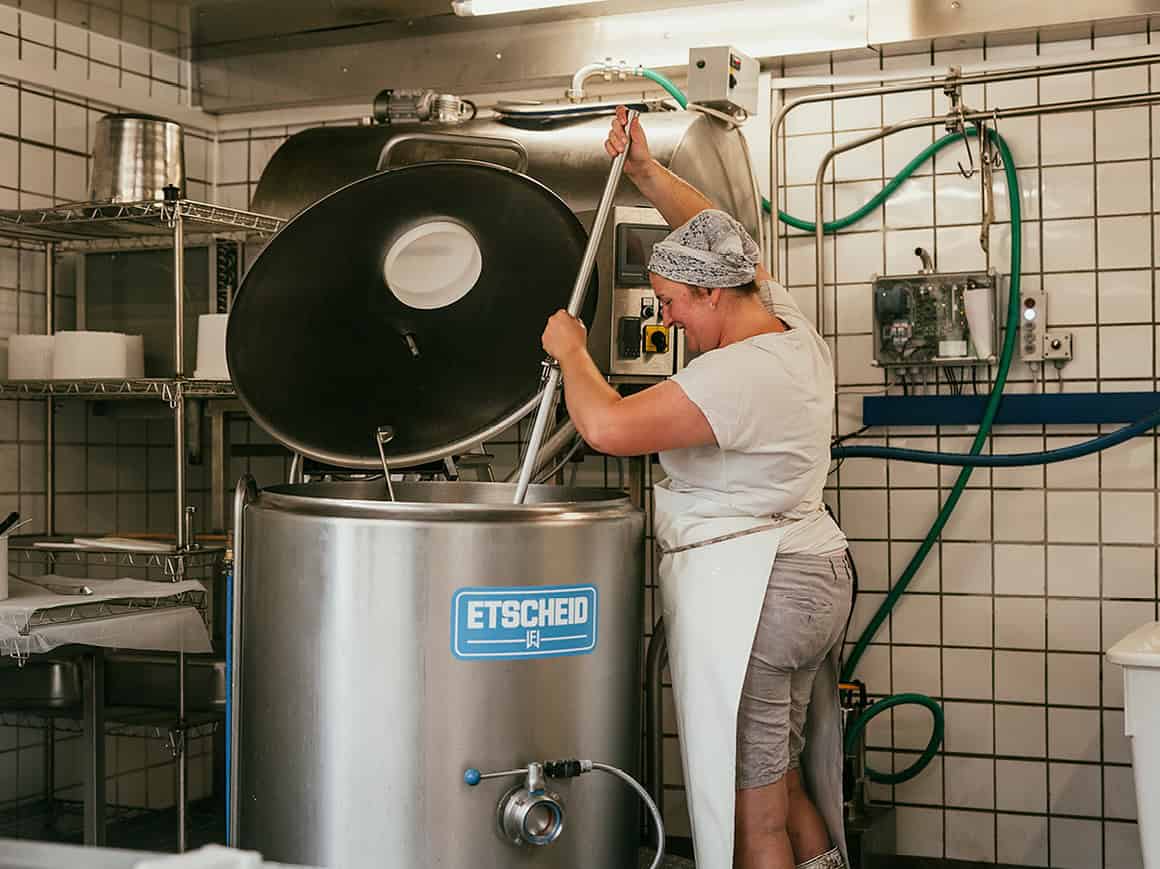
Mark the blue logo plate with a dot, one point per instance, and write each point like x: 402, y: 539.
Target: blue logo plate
x: 523, y: 622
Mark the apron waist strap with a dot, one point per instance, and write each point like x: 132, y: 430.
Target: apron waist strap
x: 721, y: 538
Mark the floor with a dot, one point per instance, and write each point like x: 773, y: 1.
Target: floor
x: 157, y: 831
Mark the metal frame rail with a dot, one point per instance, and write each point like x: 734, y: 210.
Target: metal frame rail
x: 934, y: 82
x: 95, y: 226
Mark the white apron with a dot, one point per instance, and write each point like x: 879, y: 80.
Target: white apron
x: 712, y: 593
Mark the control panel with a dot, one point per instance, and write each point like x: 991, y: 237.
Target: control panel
x: 642, y: 347
x: 934, y: 318
x: 723, y: 78
x: 1032, y: 324
x: 1037, y: 343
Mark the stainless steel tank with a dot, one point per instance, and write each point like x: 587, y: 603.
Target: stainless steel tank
x: 387, y: 647
x: 369, y: 684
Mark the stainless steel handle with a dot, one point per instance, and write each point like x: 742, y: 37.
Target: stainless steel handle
x: 548, y: 397
x: 244, y: 493
x: 455, y: 139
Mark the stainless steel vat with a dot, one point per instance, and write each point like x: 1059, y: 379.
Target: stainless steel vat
x: 135, y: 157
x: 358, y: 719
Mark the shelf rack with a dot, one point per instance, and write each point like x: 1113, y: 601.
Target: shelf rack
x: 166, y: 389
x: 53, y: 551
x: 92, y: 226
x: 104, y: 226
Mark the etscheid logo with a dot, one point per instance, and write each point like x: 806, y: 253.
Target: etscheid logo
x: 536, y: 621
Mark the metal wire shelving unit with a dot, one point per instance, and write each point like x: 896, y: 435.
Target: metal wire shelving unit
x: 103, y: 226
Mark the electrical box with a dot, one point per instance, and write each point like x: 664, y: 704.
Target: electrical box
x: 1032, y: 325
x: 934, y: 319
x: 1036, y: 343
x: 643, y: 349
x: 723, y: 78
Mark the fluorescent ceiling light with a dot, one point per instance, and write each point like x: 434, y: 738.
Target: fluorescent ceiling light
x: 495, y: 7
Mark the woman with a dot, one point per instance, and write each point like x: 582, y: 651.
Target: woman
x: 755, y: 581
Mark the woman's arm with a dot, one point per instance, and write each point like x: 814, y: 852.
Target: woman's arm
x: 659, y: 418
x: 676, y: 199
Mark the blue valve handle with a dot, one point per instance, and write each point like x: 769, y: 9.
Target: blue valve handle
x: 472, y: 776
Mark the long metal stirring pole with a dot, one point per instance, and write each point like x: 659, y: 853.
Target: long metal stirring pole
x: 548, y: 397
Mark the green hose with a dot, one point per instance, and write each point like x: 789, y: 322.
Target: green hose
x: 673, y: 91
x: 956, y: 492
x: 936, y: 735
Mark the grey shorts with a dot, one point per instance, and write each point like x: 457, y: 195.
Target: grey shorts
x: 805, y: 609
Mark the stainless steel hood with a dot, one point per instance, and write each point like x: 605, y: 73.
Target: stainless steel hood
x: 257, y: 54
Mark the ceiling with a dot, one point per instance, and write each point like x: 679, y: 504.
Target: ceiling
x: 256, y: 54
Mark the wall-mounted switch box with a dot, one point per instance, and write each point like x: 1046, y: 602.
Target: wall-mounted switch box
x: 1057, y: 345
x: 723, y: 78
x: 1032, y: 325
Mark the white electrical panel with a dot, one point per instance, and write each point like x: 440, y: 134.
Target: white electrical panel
x: 723, y: 78
x: 1036, y: 342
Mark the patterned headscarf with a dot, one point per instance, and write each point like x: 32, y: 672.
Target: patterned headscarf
x: 710, y: 250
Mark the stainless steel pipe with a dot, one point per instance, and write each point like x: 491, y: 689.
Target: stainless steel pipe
x: 245, y: 492
x: 548, y: 397
x: 986, y: 116
x: 655, y: 663
x: 932, y: 83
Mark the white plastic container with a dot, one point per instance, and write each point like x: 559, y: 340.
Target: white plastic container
x: 135, y: 356
x: 90, y: 356
x: 211, y: 347
x: 979, y: 305
x: 30, y: 357
x: 1139, y: 655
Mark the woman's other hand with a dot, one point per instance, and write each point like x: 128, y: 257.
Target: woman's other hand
x: 639, y: 157
x: 564, y: 336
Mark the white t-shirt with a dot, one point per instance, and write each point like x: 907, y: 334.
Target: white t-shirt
x: 770, y: 402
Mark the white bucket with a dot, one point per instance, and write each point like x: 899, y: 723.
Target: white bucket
x: 211, y: 347
x: 1139, y: 655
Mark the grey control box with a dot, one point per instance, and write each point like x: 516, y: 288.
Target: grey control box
x: 723, y: 78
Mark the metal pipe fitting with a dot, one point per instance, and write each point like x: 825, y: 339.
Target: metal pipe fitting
x: 607, y: 67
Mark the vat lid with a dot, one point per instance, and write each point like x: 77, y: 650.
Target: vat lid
x: 415, y: 299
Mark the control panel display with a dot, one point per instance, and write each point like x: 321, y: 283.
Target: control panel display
x: 634, y: 244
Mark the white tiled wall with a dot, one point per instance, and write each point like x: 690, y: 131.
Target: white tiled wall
x: 1039, y: 570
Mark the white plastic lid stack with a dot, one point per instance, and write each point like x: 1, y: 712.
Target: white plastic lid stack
x: 1139, y: 655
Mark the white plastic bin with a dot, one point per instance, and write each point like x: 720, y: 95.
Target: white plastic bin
x: 1139, y: 655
